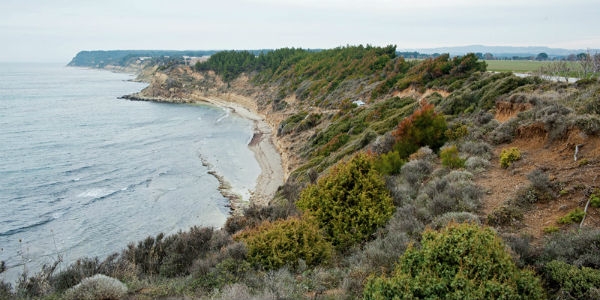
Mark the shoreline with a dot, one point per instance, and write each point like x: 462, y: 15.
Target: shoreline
x: 262, y: 145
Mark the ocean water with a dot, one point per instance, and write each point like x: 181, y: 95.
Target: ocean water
x: 83, y: 173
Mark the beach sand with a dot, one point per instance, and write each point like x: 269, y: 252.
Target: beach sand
x: 262, y: 144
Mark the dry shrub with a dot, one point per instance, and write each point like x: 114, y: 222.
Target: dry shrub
x: 590, y: 124
x: 555, y: 120
x: 476, y: 164
x: 505, y: 132
x: 505, y: 215
x: 415, y: 171
x: 454, y: 217
x: 235, y: 291
x: 540, y: 182
x: 452, y: 192
x: 473, y: 148
x: 97, y: 287
x: 579, y: 248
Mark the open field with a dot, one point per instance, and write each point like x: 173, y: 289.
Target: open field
x: 519, y: 66
x: 523, y: 66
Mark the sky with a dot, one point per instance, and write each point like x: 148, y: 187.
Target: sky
x: 55, y: 30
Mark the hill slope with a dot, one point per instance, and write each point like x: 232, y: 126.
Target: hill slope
x: 434, y: 142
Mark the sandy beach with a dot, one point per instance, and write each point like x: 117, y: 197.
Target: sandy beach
x: 262, y: 144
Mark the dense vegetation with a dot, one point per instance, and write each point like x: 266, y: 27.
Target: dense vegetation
x: 349, y: 203
x: 350, y: 221
x: 459, y: 262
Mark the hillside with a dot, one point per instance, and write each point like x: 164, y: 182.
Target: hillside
x: 383, y: 156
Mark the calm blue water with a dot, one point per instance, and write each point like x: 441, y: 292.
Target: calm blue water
x: 83, y: 173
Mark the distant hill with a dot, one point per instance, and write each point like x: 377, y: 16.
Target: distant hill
x: 503, y: 51
x: 102, y: 58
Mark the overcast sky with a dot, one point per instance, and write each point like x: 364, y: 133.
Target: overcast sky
x: 55, y: 30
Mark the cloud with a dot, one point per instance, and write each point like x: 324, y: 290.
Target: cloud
x: 244, y: 24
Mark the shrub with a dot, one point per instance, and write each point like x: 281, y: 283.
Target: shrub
x: 454, y: 217
x: 476, y: 164
x: 389, y: 163
x: 228, y: 271
x: 578, y: 248
x: 280, y: 284
x: 235, y: 291
x: 504, y: 133
x: 423, y: 128
x: 573, y: 216
x: 505, y: 215
x: 541, y: 185
x: 415, y: 171
x: 523, y: 252
x: 97, y: 287
x: 379, y: 255
x: 571, y: 282
x: 481, y: 149
x: 590, y: 124
x: 453, y: 192
x: 550, y: 229
x: 595, y: 198
x: 284, y: 242
x: 349, y: 203
x: 5, y: 290
x: 460, y: 261
x: 81, y: 269
x: 457, y: 132
x: 172, y: 255
x: 450, y: 158
x: 183, y: 248
x: 508, y: 156
x: 539, y: 180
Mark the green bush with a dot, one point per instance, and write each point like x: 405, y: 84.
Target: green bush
x: 461, y: 261
x: 450, y: 158
x: 551, y: 229
x: 459, y: 131
x: 571, y: 282
x: 573, y: 216
x: 389, y: 163
x: 349, y: 203
x: 595, y: 198
x: 284, y: 242
x: 508, y: 156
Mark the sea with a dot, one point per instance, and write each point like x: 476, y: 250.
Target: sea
x: 83, y: 173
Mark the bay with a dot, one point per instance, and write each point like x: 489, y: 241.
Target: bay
x: 83, y: 173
